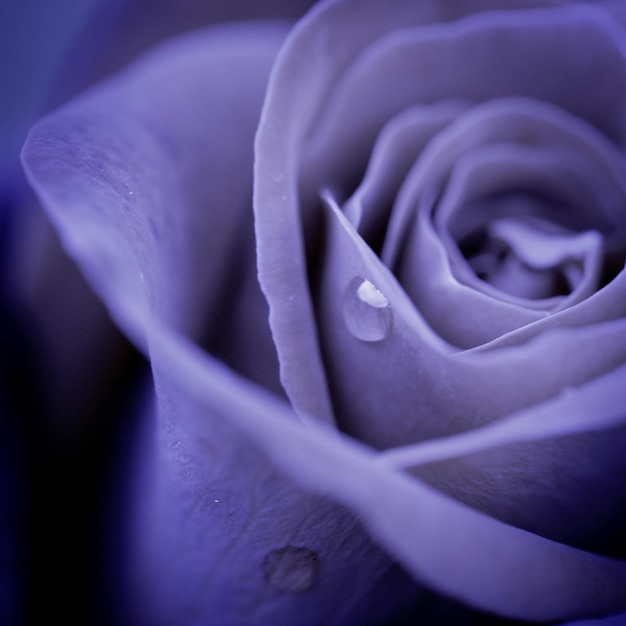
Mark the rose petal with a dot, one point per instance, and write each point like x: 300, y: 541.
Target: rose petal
x: 457, y: 550
x: 446, y: 391
x: 523, y: 123
x: 432, y: 265
x: 541, y: 483
x: 397, y: 147
x: 318, y: 51
x: 532, y: 481
x: 217, y: 533
x: 163, y: 226
x: 152, y: 199
x: 597, y: 405
x: 481, y: 57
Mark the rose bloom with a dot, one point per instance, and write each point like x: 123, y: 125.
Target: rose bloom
x: 375, y: 263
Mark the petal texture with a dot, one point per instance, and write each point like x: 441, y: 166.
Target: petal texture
x: 148, y: 180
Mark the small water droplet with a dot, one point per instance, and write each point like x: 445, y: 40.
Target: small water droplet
x: 366, y: 311
x: 216, y: 501
x: 291, y: 568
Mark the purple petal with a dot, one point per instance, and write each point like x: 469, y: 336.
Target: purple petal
x: 565, y: 159
x: 397, y: 147
x: 453, y: 548
x: 321, y: 47
x: 218, y: 534
x: 447, y: 391
x: 481, y: 57
x: 161, y: 234
x: 543, y: 482
x: 148, y: 180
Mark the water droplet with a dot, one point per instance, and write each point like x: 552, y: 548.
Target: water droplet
x: 291, y: 568
x: 366, y: 311
x: 216, y: 501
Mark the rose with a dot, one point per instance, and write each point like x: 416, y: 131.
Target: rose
x: 109, y: 182
x: 374, y: 293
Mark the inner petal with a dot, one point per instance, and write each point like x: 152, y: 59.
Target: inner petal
x: 499, y: 230
x: 529, y: 258
x: 525, y: 124
x: 398, y: 146
x: 510, y: 54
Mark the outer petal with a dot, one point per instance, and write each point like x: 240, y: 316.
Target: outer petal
x: 148, y: 180
x: 219, y: 536
x: 457, y: 550
x: 146, y: 173
x: 480, y: 57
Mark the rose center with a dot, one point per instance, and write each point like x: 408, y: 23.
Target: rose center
x: 529, y: 258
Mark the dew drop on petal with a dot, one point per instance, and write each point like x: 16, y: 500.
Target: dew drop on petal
x: 291, y: 568
x: 366, y: 311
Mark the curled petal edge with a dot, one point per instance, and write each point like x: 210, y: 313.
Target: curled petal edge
x: 450, y: 547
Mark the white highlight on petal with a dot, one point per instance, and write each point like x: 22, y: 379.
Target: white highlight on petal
x: 369, y: 294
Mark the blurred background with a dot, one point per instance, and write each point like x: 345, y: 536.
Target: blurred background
x: 36, y: 37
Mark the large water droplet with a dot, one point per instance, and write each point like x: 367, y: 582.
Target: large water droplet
x: 291, y: 568
x: 366, y: 311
